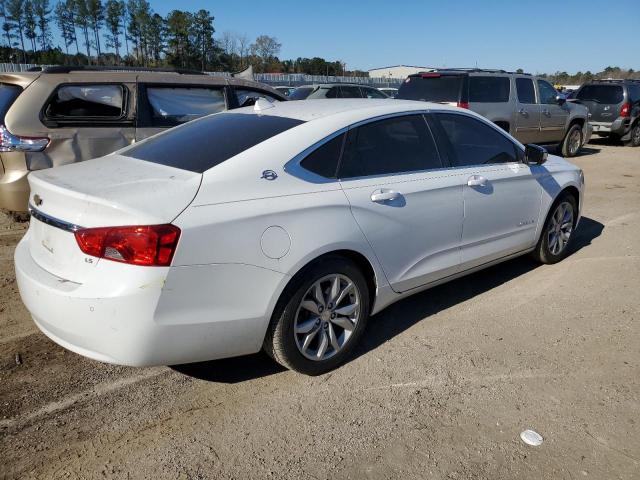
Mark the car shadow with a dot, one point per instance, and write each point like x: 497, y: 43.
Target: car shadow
x: 606, y: 141
x: 394, y: 319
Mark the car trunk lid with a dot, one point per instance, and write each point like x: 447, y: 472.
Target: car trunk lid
x: 111, y: 191
x: 603, y: 101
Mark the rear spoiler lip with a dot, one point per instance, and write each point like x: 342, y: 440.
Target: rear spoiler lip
x: 53, y: 221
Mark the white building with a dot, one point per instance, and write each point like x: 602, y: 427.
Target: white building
x: 397, y: 71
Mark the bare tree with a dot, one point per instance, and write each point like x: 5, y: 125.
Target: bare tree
x: 243, y: 48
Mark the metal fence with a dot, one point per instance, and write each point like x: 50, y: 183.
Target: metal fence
x: 289, y: 79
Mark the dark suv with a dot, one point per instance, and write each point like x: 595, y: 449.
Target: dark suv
x: 614, y: 108
x: 529, y: 108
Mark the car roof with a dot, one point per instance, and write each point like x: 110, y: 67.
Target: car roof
x: 356, y: 109
x: 328, y: 85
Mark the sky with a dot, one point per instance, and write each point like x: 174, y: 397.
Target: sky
x: 539, y: 37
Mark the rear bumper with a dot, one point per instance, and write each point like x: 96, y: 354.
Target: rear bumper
x: 619, y: 126
x: 14, y: 190
x: 143, y: 316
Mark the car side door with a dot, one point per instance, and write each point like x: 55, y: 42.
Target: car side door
x: 501, y: 194
x: 164, y: 105
x: 553, y: 116
x: 404, y: 199
x: 527, y: 111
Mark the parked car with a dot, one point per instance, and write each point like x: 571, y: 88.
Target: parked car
x: 285, y: 90
x: 303, y: 219
x: 614, y: 108
x: 335, y: 90
x: 527, y: 107
x: 64, y: 115
x: 389, y: 91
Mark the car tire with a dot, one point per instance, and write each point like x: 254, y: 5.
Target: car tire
x: 286, y: 337
x: 572, y: 141
x: 634, y: 136
x: 554, y: 243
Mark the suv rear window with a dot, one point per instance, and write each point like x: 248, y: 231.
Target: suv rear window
x: 87, y: 101
x: 8, y: 95
x: 445, y: 88
x: 601, y: 93
x: 489, y: 89
x: 202, y: 144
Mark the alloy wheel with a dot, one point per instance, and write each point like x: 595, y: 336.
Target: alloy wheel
x: 327, y: 317
x: 574, y: 141
x: 560, y: 228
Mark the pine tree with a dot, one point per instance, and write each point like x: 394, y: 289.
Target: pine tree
x: 113, y: 18
x: 15, y: 10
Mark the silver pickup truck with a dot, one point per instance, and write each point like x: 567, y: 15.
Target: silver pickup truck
x: 527, y: 107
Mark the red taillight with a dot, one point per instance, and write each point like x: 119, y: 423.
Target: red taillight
x: 150, y: 245
x: 430, y: 75
x: 625, y: 110
x: 463, y: 105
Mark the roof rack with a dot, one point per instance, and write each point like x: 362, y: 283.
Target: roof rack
x: 97, y: 68
x: 477, y: 70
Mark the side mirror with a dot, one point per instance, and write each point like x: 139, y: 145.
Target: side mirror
x: 534, y: 154
x: 561, y: 99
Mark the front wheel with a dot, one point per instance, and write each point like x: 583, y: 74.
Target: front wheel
x: 320, y: 318
x: 557, y: 232
x: 572, y: 141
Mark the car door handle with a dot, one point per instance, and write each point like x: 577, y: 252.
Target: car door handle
x: 523, y: 112
x: 477, y: 181
x: 384, y: 195
x: 546, y: 112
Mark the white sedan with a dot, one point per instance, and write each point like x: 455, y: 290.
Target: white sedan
x: 281, y: 227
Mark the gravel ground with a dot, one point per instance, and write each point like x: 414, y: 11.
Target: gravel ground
x: 441, y: 388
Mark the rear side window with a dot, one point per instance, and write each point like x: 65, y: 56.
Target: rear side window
x: 8, y: 95
x: 489, y: 89
x: 526, y: 92
x: 445, y: 88
x: 395, y: 145
x: 87, y: 101
x: 176, y: 105
x: 472, y: 142
x: 372, y: 93
x: 610, y: 94
x: 205, y: 143
x: 323, y: 160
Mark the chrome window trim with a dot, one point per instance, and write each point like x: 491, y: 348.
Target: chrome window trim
x: 53, y: 221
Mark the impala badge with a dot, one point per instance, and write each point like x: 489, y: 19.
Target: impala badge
x: 37, y: 200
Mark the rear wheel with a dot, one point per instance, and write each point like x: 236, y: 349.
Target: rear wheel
x: 634, y: 140
x: 557, y: 232
x: 320, y: 319
x: 572, y: 141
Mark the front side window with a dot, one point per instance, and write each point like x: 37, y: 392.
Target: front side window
x: 176, y: 105
x: 87, y: 101
x: 548, y: 94
x: 209, y: 141
x: 391, y: 146
x: 526, y: 92
x: 372, y: 93
x: 249, y: 97
x: 324, y: 160
x: 489, y: 89
x: 348, y: 91
x: 472, y: 142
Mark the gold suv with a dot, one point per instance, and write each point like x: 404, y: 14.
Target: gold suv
x: 62, y: 115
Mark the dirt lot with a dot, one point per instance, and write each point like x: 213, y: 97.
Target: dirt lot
x: 442, y: 387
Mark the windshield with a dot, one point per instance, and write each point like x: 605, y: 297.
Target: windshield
x: 202, y: 144
x: 300, y: 93
x: 431, y: 89
x: 8, y: 94
x: 601, y: 93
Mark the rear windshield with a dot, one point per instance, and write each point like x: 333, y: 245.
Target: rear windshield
x: 431, y: 89
x: 601, y: 93
x: 8, y: 94
x: 489, y: 89
x: 300, y: 93
x: 205, y: 143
